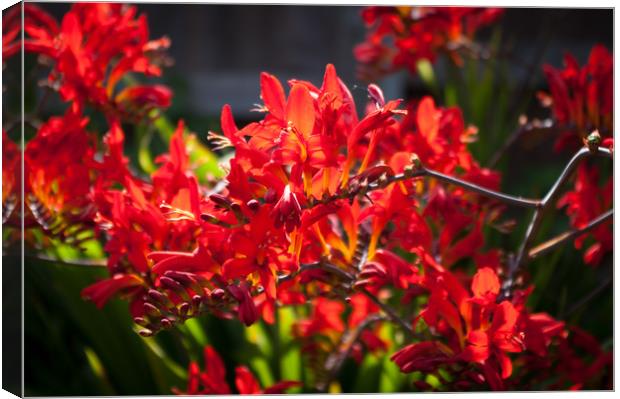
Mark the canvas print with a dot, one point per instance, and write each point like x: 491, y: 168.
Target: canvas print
x: 267, y: 199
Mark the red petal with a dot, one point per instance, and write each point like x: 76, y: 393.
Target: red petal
x: 272, y: 94
x: 300, y: 110
x: 245, y: 381
x: 214, y: 364
x: 428, y: 120
x: 281, y: 386
x: 229, y: 128
x: 485, y: 283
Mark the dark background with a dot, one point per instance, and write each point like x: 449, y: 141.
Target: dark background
x: 219, y: 50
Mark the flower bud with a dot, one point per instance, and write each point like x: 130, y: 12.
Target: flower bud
x: 197, y: 301
x: 151, y: 310
x: 141, y: 321
x: 160, y: 298
x: 221, y: 201
x: 165, y: 323
x: 253, y: 204
x: 593, y: 141
x: 207, y: 217
x: 184, y: 309
x: 376, y: 94
x: 287, y: 211
x: 171, y: 284
x: 145, y: 333
x: 248, y: 314
x: 218, y: 294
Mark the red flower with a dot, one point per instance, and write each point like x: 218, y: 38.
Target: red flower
x: 421, y: 356
x: 94, y: 47
x: 581, y: 97
x: 212, y: 381
x: 248, y: 314
x: 583, y: 204
x: 478, y: 330
x: 40, y: 30
x: 102, y: 291
x: 287, y: 211
x: 417, y: 33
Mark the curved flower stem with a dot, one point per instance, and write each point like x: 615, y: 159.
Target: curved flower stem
x: 509, y: 199
x: 568, y: 235
x: 421, y: 172
x: 522, y: 256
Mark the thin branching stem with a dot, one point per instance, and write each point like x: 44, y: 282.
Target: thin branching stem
x: 569, y: 235
x: 522, y: 256
x: 508, y: 199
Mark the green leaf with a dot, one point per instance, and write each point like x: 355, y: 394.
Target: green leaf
x: 263, y: 372
x: 195, y: 330
x: 368, y: 374
x: 145, y: 158
x: 290, y: 361
x: 204, y: 161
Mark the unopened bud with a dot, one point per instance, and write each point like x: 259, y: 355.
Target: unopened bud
x: 159, y: 297
x: 253, y: 204
x: 376, y: 94
x: 196, y: 301
x: 220, y: 200
x: 206, y: 217
x: 413, y: 167
x: 141, y: 321
x: 165, y: 323
x: 145, y: 333
x: 171, y: 284
x: 593, y: 141
x: 383, y: 180
x: 184, y: 309
x: 415, y: 161
x: 151, y: 310
x: 217, y: 294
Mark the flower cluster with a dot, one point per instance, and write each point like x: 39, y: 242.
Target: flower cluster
x: 399, y: 37
x: 212, y: 381
x: 582, y: 102
x: 360, y: 219
x: 581, y: 98
x: 90, y: 53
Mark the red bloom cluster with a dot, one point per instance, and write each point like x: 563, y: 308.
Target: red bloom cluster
x: 477, y: 329
x: 581, y: 97
x: 212, y: 381
x: 291, y: 172
x: 92, y: 49
x: 582, y: 102
x: 401, y: 36
x: 90, y: 52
